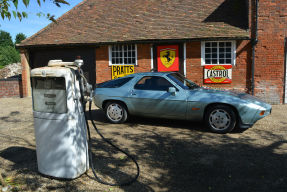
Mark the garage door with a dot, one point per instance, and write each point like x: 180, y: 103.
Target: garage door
x: 40, y: 58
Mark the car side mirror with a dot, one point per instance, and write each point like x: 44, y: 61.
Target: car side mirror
x: 172, y: 90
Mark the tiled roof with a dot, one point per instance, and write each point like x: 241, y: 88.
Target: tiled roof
x: 110, y: 21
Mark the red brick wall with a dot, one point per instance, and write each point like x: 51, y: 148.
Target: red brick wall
x: 194, y: 70
x: 103, y: 70
x: 10, y: 88
x: 269, y: 52
x: 240, y: 72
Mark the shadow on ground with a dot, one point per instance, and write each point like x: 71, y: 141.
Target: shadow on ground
x: 192, y: 164
x: 179, y: 157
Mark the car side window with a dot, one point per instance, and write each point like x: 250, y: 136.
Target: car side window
x: 153, y: 83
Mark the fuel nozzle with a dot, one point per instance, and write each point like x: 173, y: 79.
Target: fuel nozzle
x: 79, y: 62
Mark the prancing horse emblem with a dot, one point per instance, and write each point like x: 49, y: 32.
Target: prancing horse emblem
x: 167, y: 57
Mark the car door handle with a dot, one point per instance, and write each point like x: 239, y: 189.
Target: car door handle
x: 133, y: 93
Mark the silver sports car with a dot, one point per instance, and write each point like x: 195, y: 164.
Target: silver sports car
x: 170, y: 95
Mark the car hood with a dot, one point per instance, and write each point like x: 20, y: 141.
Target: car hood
x: 235, y: 95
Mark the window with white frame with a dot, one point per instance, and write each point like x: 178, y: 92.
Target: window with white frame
x: 123, y: 54
x: 218, y: 52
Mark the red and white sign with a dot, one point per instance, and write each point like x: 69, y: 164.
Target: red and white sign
x: 167, y: 58
x: 218, y: 74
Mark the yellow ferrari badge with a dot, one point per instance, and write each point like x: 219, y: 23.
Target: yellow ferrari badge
x: 167, y: 57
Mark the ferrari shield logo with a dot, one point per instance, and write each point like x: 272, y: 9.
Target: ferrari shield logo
x: 167, y: 57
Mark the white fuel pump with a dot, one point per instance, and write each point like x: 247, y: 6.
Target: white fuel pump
x: 59, y: 121
x: 61, y: 129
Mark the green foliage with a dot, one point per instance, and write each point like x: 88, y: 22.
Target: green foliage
x: 20, y: 37
x: 5, y: 39
x: 5, y: 8
x: 8, y: 55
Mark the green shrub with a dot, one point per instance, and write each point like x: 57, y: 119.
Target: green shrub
x: 8, y: 55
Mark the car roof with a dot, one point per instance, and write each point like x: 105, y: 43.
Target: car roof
x: 152, y: 73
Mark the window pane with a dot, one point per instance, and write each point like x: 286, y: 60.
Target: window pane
x: 123, y: 54
x: 221, y: 44
x: 218, y: 52
x: 133, y: 54
x: 221, y: 61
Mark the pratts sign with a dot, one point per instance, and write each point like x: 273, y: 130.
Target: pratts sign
x: 218, y: 74
x: 122, y: 70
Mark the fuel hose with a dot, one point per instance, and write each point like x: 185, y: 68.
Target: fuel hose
x: 113, y: 145
x: 97, y: 178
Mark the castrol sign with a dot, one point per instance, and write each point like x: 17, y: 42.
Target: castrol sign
x: 218, y: 74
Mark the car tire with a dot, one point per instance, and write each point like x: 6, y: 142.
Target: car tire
x: 116, y: 112
x: 220, y: 119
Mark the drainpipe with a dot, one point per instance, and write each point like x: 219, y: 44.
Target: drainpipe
x: 285, y: 63
x: 254, y: 43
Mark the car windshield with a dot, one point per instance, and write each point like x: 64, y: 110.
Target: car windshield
x: 182, y: 81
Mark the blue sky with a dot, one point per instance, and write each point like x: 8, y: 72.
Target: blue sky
x: 33, y: 23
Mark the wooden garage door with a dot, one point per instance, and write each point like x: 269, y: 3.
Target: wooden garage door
x: 40, y: 58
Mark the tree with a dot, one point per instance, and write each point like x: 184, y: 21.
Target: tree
x: 20, y: 37
x: 5, y: 39
x: 5, y: 8
x: 8, y: 55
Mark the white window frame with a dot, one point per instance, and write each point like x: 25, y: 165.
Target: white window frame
x: 233, y: 52
x: 110, y: 55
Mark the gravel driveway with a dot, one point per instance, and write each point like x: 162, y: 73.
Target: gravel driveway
x: 173, y: 155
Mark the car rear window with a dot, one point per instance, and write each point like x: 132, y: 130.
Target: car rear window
x: 114, y: 83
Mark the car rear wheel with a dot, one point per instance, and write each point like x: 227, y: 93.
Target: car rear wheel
x: 220, y: 119
x: 116, y: 112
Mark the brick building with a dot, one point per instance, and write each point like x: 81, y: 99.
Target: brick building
x: 248, y: 35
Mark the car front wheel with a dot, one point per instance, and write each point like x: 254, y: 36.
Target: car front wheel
x: 220, y: 119
x: 116, y: 112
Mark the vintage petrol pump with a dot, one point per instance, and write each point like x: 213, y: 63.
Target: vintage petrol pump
x: 59, y: 121
x: 61, y: 129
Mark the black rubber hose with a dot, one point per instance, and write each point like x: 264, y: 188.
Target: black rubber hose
x: 113, y: 145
